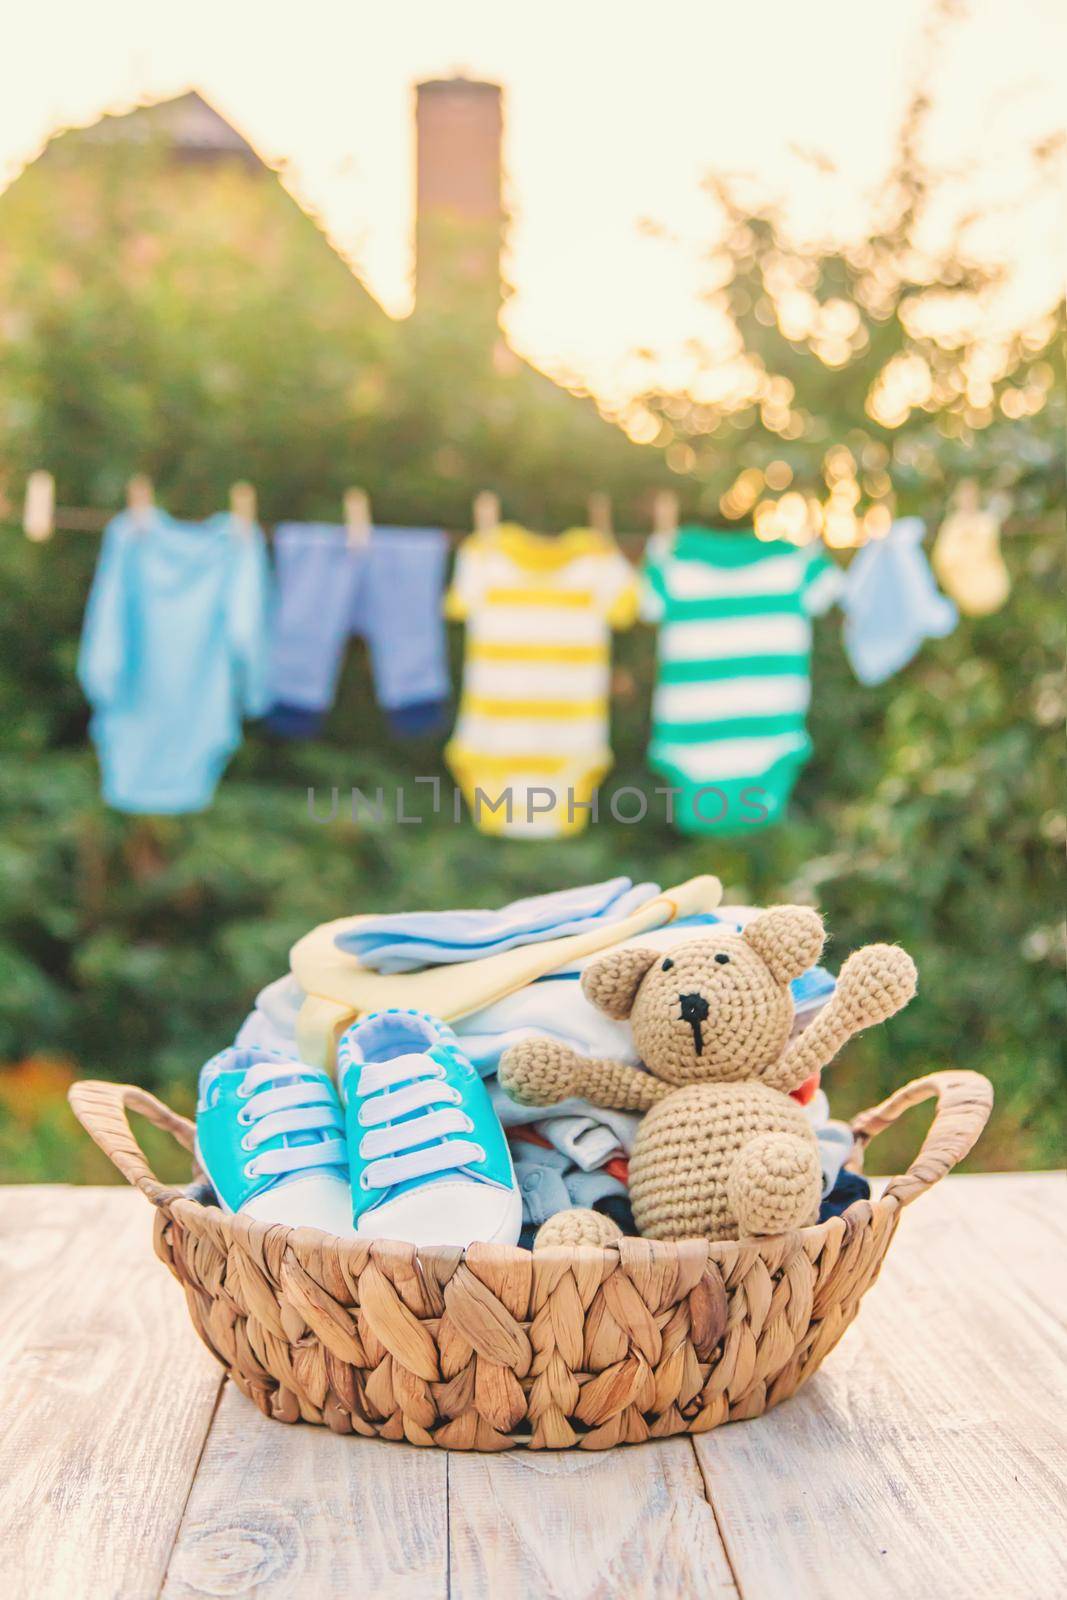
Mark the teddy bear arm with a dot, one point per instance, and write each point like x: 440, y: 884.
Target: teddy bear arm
x: 874, y: 983
x: 542, y: 1072
x: 539, y: 1072
x: 618, y: 1086
x: 810, y: 1051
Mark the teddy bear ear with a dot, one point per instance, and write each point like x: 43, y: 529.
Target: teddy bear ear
x: 789, y: 939
x: 612, y: 983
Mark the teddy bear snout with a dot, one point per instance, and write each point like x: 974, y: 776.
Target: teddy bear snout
x: 695, y: 1012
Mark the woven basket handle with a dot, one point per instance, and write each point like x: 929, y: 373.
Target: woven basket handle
x: 964, y: 1101
x: 101, y: 1109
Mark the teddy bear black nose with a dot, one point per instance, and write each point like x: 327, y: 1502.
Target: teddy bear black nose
x: 694, y: 1011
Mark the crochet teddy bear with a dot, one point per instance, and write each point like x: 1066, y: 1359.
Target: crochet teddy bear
x: 722, y: 1150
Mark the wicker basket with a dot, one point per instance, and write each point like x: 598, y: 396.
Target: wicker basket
x: 492, y: 1347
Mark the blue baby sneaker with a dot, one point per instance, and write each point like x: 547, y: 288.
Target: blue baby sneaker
x: 428, y: 1157
x: 270, y: 1136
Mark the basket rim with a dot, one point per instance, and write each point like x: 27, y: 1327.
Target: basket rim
x: 964, y: 1101
x: 188, y: 1209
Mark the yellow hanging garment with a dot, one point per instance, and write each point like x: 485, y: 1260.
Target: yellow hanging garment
x: 966, y: 556
x: 531, y: 746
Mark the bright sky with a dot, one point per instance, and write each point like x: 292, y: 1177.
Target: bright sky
x: 615, y: 111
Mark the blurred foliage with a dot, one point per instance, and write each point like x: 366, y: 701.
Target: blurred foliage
x: 191, y: 323
x: 854, y: 380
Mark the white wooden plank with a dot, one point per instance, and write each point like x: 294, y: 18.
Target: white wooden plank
x: 299, y: 1511
x: 36, y: 1227
x: 579, y: 1525
x: 929, y: 1455
x: 1020, y: 1218
x: 105, y: 1397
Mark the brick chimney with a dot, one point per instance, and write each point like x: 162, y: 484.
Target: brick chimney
x: 459, y: 213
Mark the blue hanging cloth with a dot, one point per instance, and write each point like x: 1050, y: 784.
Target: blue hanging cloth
x: 173, y: 654
x: 892, y: 603
x: 388, y: 590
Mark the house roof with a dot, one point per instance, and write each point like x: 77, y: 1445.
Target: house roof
x: 190, y: 124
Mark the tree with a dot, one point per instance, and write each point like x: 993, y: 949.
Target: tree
x: 856, y: 381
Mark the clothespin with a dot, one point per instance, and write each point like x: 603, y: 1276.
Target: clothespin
x: 357, y: 518
x: 39, y: 507
x: 486, y: 511
x: 665, y: 511
x: 600, y: 511
x: 140, y: 497
x: 968, y: 496
x: 243, y: 504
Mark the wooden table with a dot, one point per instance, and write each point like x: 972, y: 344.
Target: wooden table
x: 928, y: 1458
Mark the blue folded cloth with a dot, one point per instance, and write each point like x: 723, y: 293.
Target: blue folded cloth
x: 850, y: 1187
x: 549, y: 1183
x: 408, y: 940
x: 812, y: 989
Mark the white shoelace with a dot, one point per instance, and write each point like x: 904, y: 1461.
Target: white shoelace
x: 404, y: 1149
x: 283, y: 1098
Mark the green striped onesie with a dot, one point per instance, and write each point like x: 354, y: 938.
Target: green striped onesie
x: 734, y: 683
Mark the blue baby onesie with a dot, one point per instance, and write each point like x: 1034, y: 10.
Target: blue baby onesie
x: 388, y: 590
x: 892, y: 603
x: 173, y: 654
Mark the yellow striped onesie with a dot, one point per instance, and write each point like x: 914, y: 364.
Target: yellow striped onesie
x: 530, y: 744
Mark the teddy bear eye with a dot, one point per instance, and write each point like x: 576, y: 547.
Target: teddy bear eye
x: 667, y: 965
x: 722, y: 959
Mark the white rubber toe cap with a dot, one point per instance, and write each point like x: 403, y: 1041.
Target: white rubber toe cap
x: 321, y: 1200
x: 455, y: 1212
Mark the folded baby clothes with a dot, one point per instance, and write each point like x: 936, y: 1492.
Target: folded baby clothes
x: 409, y: 940
x: 173, y: 655
x: 573, y: 1153
x: 733, y: 685
x: 533, y: 1001
x: 849, y: 1187
x: 835, y: 1139
x: 386, y: 589
x: 891, y: 603
x: 271, y: 1024
x: 549, y: 1183
x: 337, y: 987
x: 531, y: 743
x: 576, y: 1119
x: 583, y: 1139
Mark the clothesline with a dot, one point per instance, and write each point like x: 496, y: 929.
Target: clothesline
x: 42, y: 517
x: 210, y: 623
